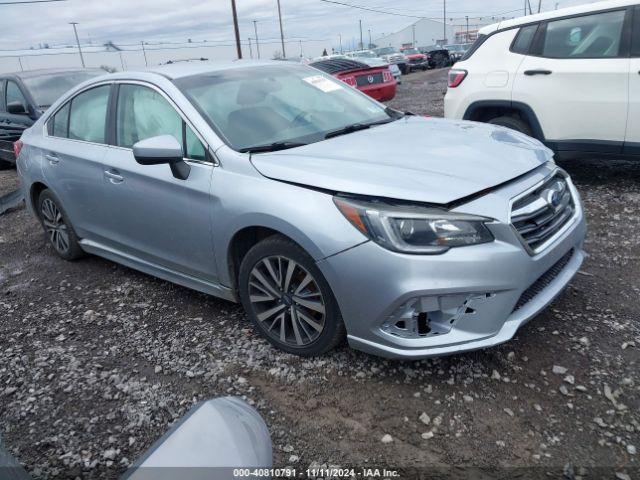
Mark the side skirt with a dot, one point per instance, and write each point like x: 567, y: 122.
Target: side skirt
x: 158, y: 271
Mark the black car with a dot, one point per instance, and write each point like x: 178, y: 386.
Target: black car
x: 24, y: 96
x: 438, y: 56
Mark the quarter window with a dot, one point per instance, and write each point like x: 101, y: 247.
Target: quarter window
x: 59, y: 125
x: 590, y: 36
x: 144, y: 113
x: 88, y: 115
x: 14, y: 94
x: 523, y: 40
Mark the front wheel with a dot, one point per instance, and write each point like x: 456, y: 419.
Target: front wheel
x: 288, y: 299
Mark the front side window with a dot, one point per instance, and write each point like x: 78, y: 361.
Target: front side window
x: 144, y: 113
x: 88, y: 116
x: 271, y: 104
x: 523, y: 41
x: 14, y: 94
x: 590, y: 36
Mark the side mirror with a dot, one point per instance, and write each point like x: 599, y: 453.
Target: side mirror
x: 16, y: 108
x: 164, y: 149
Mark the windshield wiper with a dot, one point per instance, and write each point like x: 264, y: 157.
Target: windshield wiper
x: 272, y: 147
x: 354, y: 127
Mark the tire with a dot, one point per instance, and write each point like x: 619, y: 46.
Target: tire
x: 318, y: 325
x: 57, y: 228
x: 513, y: 123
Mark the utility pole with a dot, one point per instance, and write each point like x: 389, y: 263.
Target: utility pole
x: 369, y: 39
x: 250, y: 49
x: 341, y: 51
x: 20, y: 62
x: 467, y: 28
x: 144, y: 52
x: 413, y: 27
x: 539, y: 6
x: 255, y: 29
x: 284, y: 55
x: 301, y: 54
x: 75, y: 30
x: 444, y: 22
x: 361, y: 41
x: 236, y: 29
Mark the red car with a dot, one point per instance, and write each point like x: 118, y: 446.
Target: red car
x: 417, y: 60
x: 377, y: 82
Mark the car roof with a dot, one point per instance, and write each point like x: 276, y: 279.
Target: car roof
x: 49, y: 71
x: 188, y: 69
x: 562, y: 12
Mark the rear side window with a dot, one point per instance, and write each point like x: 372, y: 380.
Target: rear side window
x: 589, y: 36
x: 523, y: 40
x: 88, y: 115
x: 635, y: 42
x: 59, y: 124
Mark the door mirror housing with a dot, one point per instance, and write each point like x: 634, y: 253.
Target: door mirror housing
x: 16, y: 108
x: 164, y: 149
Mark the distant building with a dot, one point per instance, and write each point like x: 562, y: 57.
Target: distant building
x: 422, y: 33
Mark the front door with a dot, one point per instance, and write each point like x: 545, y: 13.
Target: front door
x: 576, y: 80
x: 154, y: 216
x: 632, y: 140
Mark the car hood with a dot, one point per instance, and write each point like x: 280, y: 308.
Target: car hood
x: 415, y: 56
x: 416, y: 159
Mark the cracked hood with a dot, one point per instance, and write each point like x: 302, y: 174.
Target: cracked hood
x: 415, y: 158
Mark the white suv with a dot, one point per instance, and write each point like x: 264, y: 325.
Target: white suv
x: 570, y: 78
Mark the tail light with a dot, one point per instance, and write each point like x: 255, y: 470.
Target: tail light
x: 351, y: 81
x: 17, y: 147
x: 386, y: 75
x: 456, y: 77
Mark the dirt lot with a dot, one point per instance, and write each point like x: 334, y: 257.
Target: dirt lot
x: 96, y: 360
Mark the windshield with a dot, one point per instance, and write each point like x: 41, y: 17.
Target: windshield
x: 277, y: 104
x: 46, y: 89
x: 364, y: 54
x: 385, y: 51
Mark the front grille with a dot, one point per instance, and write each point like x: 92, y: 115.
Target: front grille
x: 540, y: 214
x: 364, y: 80
x: 544, y: 281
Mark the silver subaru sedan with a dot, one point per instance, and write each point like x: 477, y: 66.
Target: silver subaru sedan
x: 325, y: 213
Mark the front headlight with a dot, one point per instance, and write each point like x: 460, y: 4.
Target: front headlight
x: 414, y: 229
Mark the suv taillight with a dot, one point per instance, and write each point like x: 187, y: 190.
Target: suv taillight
x: 456, y: 77
x: 17, y: 148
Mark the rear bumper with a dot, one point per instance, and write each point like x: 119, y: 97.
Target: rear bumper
x: 380, y: 92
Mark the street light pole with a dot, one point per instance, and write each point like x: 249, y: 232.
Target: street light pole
x: 369, y: 39
x: 75, y: 31
x: 144, y: 52
x: 284, y: 55
x: 467, y: 28
x: 444, y: 22
x: 255, y: 29
x: 361, y: 41
x: 236, y: 29
x: 340, y: 35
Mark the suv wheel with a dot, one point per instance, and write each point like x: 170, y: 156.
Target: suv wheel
x: 59, y: 231
x: 513, y: 123
x: 288, y: 299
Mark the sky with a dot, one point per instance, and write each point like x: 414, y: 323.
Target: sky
x: 306, y: 21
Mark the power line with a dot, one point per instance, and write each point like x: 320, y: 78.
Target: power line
x: 22, y: 2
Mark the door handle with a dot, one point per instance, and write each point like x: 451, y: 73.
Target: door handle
x: 530, y: 73
x: 113, y: 177
x: 53, y: 159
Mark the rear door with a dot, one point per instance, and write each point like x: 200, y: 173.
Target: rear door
x: 154, y: 216
x: 576, y: 80
x: 632, y: 140
x: 72, y: 158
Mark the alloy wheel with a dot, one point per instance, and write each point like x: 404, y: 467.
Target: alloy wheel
x: 54, y: 225
x: 287, y: 301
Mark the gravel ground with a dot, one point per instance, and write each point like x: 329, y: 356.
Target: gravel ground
x: 97, y: 360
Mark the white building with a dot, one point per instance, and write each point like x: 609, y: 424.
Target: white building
x: 423, y: 33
